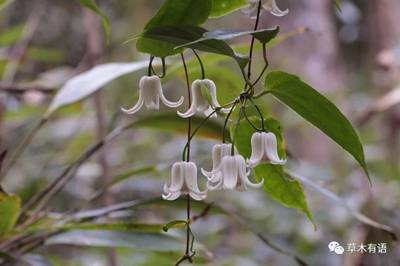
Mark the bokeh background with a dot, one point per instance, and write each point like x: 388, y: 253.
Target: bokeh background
x: 352, y: 57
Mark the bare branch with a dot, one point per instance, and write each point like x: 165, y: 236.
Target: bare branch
x: 21, y: 88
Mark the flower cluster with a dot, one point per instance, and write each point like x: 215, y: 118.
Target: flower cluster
x: 229, y: 170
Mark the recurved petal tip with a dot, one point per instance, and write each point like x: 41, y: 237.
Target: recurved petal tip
x: 276, y: 11
x: 255, y: 185
x: 189, y: 113
x: 170, y: 103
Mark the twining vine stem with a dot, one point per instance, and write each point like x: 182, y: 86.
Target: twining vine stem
x: 187, y: 256
x: 202, y: 122
x: 21, y: 147
x: 248, y: 119
x: 203, y: 74
x: 242, y: 99
x: 236, y: 130
x: 226, y: 121
x: 259, y: 112
x: 253, y: 40
x: 250, y: 90
x: 151, y: 71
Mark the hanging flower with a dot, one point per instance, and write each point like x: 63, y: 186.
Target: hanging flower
x: 150, y: 93
x: 264, y: 148
x: 232, y: 175
x: 268, y: 5
x: 183, y: 181
x: 200, y: 103
x: 218, y: 152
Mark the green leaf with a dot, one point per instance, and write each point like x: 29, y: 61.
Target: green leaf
x: 11, y: 35
x: 224, y: 7
x: 184, y: 35
x: 46, y: 55
x: 337, y: 201
x: 338, y: 4
x: 317, y: 110
x: 171, y: 123
x: 9, y: 211
x: 109, y: 238
x: 91, y: 4
x: 173, y: 13
x: 133, y: 172
x: 274, y: 42
x: 180, y: 203
x: 5, y: 3
x: 229, y: 82
x: 263, y: 35
x: 123, y: 177
x: 174, y: 224
x: 115, y: 226
x: 285, y: 191
x: 87, y: 83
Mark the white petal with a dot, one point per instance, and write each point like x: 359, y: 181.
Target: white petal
x: 191, y: 112
x: 216, y: 155
x: 242, y: 173
x: 241, y: 185
x: 191, y: 176
x: 206, y: 173
x: 169, y: 103
x: 195, y: 90
x: 213, y: 92
x: 136, y: 107
x: 225, y: 110
x: 271, y: 148
x: 171, y: 195
x: 215, y: 185
x: 276, y: 11
x: 191, y: 181
x: 212, y: 176
x: 216, y: 176
x: 240, y: 163
x: 140, y: 102
x: 249, y: 11
x: 177, y: 177
x: 201, y: 102
x: 226, y: 149
x: 257, y: 149
x: 198, y: 196
x: 209, y: 111
x: 167, y: 195
x: 229, y: 172
x: 166, y: 189
x: 254, y: 185
x: 151, y: 87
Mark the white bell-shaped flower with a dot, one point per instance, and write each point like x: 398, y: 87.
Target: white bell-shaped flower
x: 267, y: 5
x: 264, y: 148
x: 150, y: 93
x: 232, y: 175
x: 183, y: 182
x: 218, y: 152
x: 200, y: 104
